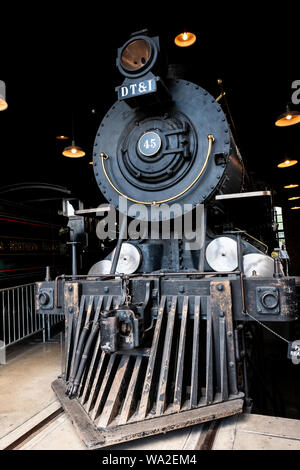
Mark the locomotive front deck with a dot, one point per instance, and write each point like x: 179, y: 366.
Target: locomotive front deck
x: 185, y: 372
x: 35, y: 420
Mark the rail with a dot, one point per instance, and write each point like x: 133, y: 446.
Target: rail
x: 19, y: 319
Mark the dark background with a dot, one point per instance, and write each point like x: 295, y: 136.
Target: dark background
x: 60, y: 59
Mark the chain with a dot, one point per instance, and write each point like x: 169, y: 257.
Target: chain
x: 127, y: 292
x: 266, y: 327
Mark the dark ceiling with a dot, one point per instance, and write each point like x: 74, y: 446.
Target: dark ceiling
x: 68, y: 65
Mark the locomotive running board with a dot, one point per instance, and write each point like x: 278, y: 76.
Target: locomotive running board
x: 94, y: 438
x: 186, y: 377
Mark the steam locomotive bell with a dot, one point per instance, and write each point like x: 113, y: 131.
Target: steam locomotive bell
x: 154, y: 330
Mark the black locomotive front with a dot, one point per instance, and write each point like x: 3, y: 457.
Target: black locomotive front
x: 157, y: 141
x: 153, y: 332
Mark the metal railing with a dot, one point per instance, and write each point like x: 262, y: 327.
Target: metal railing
x: 18, y: 317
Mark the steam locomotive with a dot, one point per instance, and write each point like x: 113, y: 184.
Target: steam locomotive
x: 154, y: 332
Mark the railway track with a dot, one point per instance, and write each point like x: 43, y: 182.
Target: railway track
x: 31, y: 428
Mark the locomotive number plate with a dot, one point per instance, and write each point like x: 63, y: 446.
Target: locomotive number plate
x: 149, y: 144
x: 136, y: 89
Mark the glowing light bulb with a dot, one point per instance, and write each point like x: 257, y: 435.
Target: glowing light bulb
x: 3, y: 104
x: 73, y: 151
x: 62, y: 137
x: 289, y: 118
x: 287, y: 163
x: 185, y: 39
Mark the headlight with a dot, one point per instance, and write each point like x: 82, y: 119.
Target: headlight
x: 135, y: 55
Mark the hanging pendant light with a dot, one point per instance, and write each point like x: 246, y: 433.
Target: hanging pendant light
x: 3, y: 103
x: 294, y: 198
x: 73, y: 151
x: 185, y: 39
x: 291, y: 186
x: 287, y: 163
x: 62, y: 137
x: 289, y: 118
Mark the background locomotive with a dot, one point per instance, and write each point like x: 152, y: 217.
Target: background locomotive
x: 31, y: 236
x: 154, y: 332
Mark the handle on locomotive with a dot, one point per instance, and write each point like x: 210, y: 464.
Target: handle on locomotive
x: 104, y: 157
